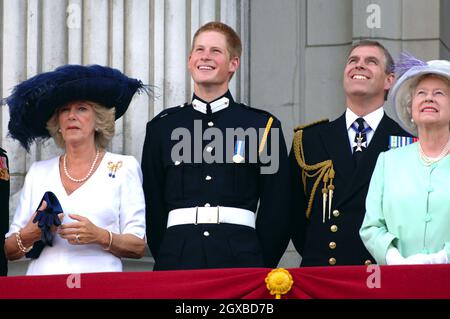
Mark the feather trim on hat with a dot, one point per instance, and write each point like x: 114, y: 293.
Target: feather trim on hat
x: 407, y: 61
x: 35, y: 100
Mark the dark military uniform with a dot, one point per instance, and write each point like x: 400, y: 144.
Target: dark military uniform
x: 331, y: 236
x: 4, y: 209
x: 171, y: 184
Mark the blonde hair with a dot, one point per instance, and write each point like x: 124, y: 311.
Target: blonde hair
x: 104, y: 125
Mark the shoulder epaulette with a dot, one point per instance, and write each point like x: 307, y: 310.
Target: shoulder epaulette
x: 169, y: 111
x: 303, y: 126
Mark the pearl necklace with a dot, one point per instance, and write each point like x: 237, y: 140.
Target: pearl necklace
x: 428, y: 160
x: 81, y: 180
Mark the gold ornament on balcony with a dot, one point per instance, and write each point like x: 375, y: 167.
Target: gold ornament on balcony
x: 279, y: 282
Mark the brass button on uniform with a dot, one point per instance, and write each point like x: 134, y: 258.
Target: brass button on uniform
x: 332, y: 245
x: 332, y: 261
x: 334, y: 228
x: 368, y: 262
x: 336, y: 213
x: 206, y: 233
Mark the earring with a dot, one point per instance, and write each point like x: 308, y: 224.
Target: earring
x: 412, y: 120
x: 59, y: 130
x: 96, y: 129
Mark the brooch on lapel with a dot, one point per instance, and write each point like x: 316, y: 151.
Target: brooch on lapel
x: 4, y: 174
x: 113, y: 167
x: 400, y: 141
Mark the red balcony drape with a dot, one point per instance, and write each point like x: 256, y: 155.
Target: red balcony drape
x: 425, y: 281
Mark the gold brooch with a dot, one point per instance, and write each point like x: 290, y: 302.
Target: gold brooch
x: 279, y: 281
x: 113, y: 167
x: 4, y: 175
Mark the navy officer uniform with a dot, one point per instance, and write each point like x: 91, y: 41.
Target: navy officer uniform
x: 202, y: 215
x: 330, y: 192
x: 4, y: 209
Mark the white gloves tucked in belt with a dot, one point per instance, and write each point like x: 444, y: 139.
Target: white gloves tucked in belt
x: 393, y: 257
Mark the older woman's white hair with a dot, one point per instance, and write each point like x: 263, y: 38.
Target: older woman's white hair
x: 411, y: 72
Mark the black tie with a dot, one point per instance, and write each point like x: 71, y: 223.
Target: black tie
x: 360, y: 142
x: 208, y: 109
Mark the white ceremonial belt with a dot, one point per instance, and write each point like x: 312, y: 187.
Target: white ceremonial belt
x: 211, y: 215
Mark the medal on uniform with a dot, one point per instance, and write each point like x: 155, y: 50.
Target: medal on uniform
x: 360, y: 143
x: 4, y: 174
x: 239, y: 149
x: 399, y: 141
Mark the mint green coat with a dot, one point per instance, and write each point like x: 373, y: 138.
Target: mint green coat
x: 408, y: 205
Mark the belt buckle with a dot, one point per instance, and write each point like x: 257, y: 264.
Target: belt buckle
x: 205, y: 215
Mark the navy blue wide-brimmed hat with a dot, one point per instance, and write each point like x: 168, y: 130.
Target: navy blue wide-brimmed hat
x: 34, y: 101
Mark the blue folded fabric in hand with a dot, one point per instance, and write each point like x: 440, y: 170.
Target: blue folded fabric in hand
x: 46, y: 219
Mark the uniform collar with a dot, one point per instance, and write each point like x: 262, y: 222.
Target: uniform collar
x: 372, y: 119
x: 218, y: 104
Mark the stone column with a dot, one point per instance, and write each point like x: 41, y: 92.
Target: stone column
x: 53, y: 54
x: 116, y: 59
x: 137, y: 65
x: 445, y: 30
x: 14, y: 69
x: 329, y: 35
x: 175, y: 72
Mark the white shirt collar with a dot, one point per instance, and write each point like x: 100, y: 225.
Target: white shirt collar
x: 216, y: 106
x: 372, y: 119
